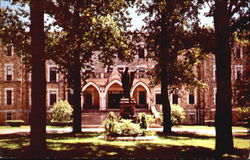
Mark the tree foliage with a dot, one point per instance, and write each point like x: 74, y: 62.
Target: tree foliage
x: 13, y: 31
x: 169, y: 40
x: 86, y: 27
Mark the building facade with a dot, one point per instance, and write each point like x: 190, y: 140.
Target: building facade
x: 103, y: 89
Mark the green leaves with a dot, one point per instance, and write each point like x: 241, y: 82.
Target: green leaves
x: 13, y: 30
x: 99, y: 29
x: 61, y: 112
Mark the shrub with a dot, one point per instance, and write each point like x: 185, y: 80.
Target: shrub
x: 15, y: 123
x: 61, y: 113
x: 244, y: 114
x: 177, y: 114
x: 115, y: 126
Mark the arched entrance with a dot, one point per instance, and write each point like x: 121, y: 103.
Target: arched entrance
x: 91, y: 97
x: 140, y: 93
x: 113, y: 93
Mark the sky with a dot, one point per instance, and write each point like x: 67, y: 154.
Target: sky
x: 137, y: 21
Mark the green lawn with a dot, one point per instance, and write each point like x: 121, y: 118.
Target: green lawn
x: 197, y: 127
x: 88, y: 145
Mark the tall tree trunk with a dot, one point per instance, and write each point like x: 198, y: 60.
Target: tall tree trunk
x: 164, y: 54
x: 76, y: 73
x: 223, y: 115
x: 38, y: 84
x: 76, y: 86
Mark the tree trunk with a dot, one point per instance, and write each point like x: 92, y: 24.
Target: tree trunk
x: 76, y: 86
x: 164, y: 53
x: 38, y: 84
x: 76, y: 73
x: 223, y: 115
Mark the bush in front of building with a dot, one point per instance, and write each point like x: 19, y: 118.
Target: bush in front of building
x: 177, y: 114
x: 15, y: 123
x: 61, y: 113
x: 244, y: 115
x: 118, y: 127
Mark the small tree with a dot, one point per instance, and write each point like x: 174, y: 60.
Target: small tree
x: 61, y: 112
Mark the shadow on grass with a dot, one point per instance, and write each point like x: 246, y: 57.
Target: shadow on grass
x: 61, y: 148
x: 183, y: 134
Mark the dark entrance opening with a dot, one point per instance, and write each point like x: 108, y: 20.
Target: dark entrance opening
x: 114, y: 98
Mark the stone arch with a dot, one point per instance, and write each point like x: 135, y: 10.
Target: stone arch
x: 145, y: 87
x: 93, y: 84
x: 110, y: 84
x: 142, y: 84
x: 91, y: 98
x: 112, y: 94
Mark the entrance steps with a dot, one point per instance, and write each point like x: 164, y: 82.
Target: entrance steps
x: 97, y: 117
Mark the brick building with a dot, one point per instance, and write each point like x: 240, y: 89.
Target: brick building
x: 103, y: 89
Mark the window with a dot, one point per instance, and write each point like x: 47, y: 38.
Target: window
x: 52, y: 97
x: 215, y: 91
x: 88, y: 99
x: 239, y: 52
x: 141, y: 53
x: 191, y: 98
x: 52, y: 74
x: 9, y: 97
x: 158, y: 98
x: 192, y: 118
x: 142, y: 97
x: 141, y: 69
x: 141, y: 72
x: 9, y: 50
x: 174, y: 98
x: 9, y: 116
x: 238, y: 72
x: 9, y: 72
x: 214, y: 72
x: 30, y: 96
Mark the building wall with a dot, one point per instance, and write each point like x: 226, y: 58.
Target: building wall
x: 102, y: 81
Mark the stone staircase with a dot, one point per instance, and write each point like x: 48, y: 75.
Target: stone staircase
x: 94, y: 117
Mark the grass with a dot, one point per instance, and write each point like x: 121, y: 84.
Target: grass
x: 203, y: 127
x: 196, y: 127
x: 88, y: 145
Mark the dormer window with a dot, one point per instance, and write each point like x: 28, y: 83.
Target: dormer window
x: 141, y: 53
x: 9, y: 51
x: 238, y: 72
x: 239, y: 52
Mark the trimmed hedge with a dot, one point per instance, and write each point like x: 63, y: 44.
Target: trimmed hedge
x: 15, y: 123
